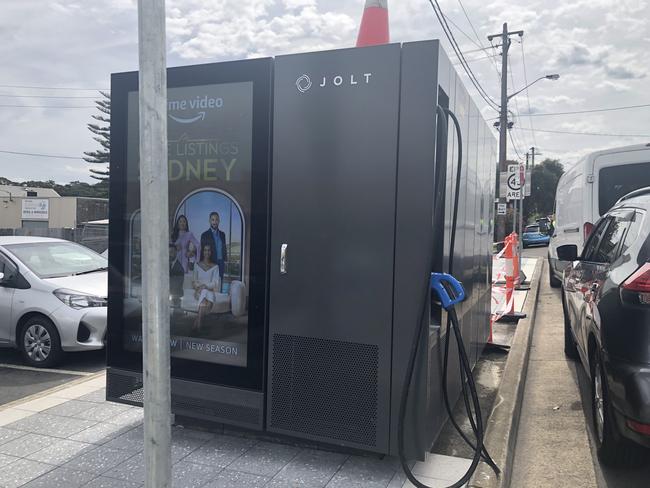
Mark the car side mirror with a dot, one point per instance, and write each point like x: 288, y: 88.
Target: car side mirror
x: 2, y: 277
x: 568, y: 252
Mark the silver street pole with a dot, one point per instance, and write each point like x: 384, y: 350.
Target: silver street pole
x: 521, y: 219
x: 155, y: 241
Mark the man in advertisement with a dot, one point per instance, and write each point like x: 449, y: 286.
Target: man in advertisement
x: 216, y: 239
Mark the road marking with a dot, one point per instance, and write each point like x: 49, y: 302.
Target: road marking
x: 45, y: 370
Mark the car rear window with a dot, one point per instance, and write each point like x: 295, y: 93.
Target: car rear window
x: 617, y: 181
x: 635, y: 229
x: 532, y: 228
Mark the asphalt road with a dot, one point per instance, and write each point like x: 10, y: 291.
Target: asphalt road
x: 606, y: 477
x: 19, y: 381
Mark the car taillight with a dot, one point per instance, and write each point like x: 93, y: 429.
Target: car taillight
x: 586, y: 229
x: 639, y: 281
x: 638, y: 427
x: 637, y: 286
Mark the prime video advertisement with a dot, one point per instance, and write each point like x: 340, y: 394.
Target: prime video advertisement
x: 209, y: 150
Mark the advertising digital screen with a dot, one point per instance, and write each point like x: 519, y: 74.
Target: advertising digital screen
x: 210, y: 170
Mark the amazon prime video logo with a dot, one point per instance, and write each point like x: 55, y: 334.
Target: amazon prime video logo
x: 303, y: 83
x: 193, y: 104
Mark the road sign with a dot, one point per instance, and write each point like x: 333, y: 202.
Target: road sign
x: 513, y: 183
x: 501, y: 208
x: 503, y: 179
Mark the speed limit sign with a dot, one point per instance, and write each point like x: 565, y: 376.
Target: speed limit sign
x: 514, y: 181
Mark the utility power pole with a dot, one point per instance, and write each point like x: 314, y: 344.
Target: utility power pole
x: 155, y: 238
x: 503, y: 117
x: 532, y: 150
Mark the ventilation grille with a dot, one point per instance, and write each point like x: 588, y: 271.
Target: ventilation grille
x: 126, y: 388
x: 216, y: 410
x: 325, y: 388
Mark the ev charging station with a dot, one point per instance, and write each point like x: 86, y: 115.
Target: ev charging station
x: 295, y: 314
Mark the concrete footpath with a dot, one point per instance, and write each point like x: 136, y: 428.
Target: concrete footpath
x: 70, y: 437
x: 552, y: 446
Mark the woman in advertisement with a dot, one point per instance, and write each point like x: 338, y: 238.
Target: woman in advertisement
x: 186, y: 243
x: 205, y: 282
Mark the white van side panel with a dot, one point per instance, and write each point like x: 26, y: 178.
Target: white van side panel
x: 576, y: 199
x: 612, y: 159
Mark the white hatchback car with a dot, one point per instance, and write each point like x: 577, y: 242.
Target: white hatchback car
x: 52, y: 298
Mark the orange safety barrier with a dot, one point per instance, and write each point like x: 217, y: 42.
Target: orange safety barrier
x: 511, y: 273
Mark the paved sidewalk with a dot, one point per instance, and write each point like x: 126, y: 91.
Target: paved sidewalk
x: 73, y: 438
x: 552, y: 444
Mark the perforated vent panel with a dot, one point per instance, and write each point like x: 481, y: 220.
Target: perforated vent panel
x: 124, y: 388
x: 325, y: 388
x: 215, y: 410
x: 127, y: 388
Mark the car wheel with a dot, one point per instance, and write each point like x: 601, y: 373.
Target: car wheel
x: 553, y: 281
x: 612, y: 448
x: 570, y: 348
x: 40, y: 343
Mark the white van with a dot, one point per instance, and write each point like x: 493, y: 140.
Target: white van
x: 588, y: 190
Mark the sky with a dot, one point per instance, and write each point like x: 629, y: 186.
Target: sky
x: 600, y: 49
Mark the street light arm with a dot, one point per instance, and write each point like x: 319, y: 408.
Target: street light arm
x: 547, y: 77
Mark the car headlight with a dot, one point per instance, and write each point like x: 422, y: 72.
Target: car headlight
x: 77, y: 300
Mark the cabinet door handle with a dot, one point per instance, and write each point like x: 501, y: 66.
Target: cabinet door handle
x: 283, y: 259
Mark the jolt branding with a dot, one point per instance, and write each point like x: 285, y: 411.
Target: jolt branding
x: 304, y: 83
x: 198, y: 102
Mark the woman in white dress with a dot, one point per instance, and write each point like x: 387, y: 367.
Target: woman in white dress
x: 205, y: 282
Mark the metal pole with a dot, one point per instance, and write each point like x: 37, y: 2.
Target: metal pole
x: 532, y: 149
x: 521, y: 215
x: 155, y: 241
x: 503, y: 121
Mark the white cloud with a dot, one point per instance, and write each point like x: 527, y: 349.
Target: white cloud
x: 227, y: 30
x: 614, y: 86
x: 599, y: 47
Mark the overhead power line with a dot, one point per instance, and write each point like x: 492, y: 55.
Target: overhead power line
x: 43, y: 96
x: 610, y: 109
x: 39, y: 155
x: 512, y: 80
x: 450, y: 37
x: 465, y: 34
x: 588, y: 133
x: 32, y: 87
x: 514, y: 146
x: 523, y: 61
x: 478, y: 38
x: 48, y: 106
x: 478, y: 58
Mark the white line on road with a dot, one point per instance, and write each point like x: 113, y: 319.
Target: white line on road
x: 45, y: 370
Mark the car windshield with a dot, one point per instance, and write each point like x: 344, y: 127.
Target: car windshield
x: 56, y: 259
x: 531, y: 229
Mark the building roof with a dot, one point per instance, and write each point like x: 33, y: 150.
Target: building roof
x: 20, y: 191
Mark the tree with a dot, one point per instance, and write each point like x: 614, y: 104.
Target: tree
x: 72, y: 189
x: 102, y: 131
x: 544, y: 179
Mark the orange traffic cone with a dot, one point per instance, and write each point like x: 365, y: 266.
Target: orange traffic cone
x: 374, y: 24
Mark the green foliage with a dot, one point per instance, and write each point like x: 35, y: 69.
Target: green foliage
x: 545, y: 177
x: 102, y: 133
x: 72, y: 189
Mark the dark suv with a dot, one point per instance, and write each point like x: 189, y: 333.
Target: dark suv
x: 606, y: 302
